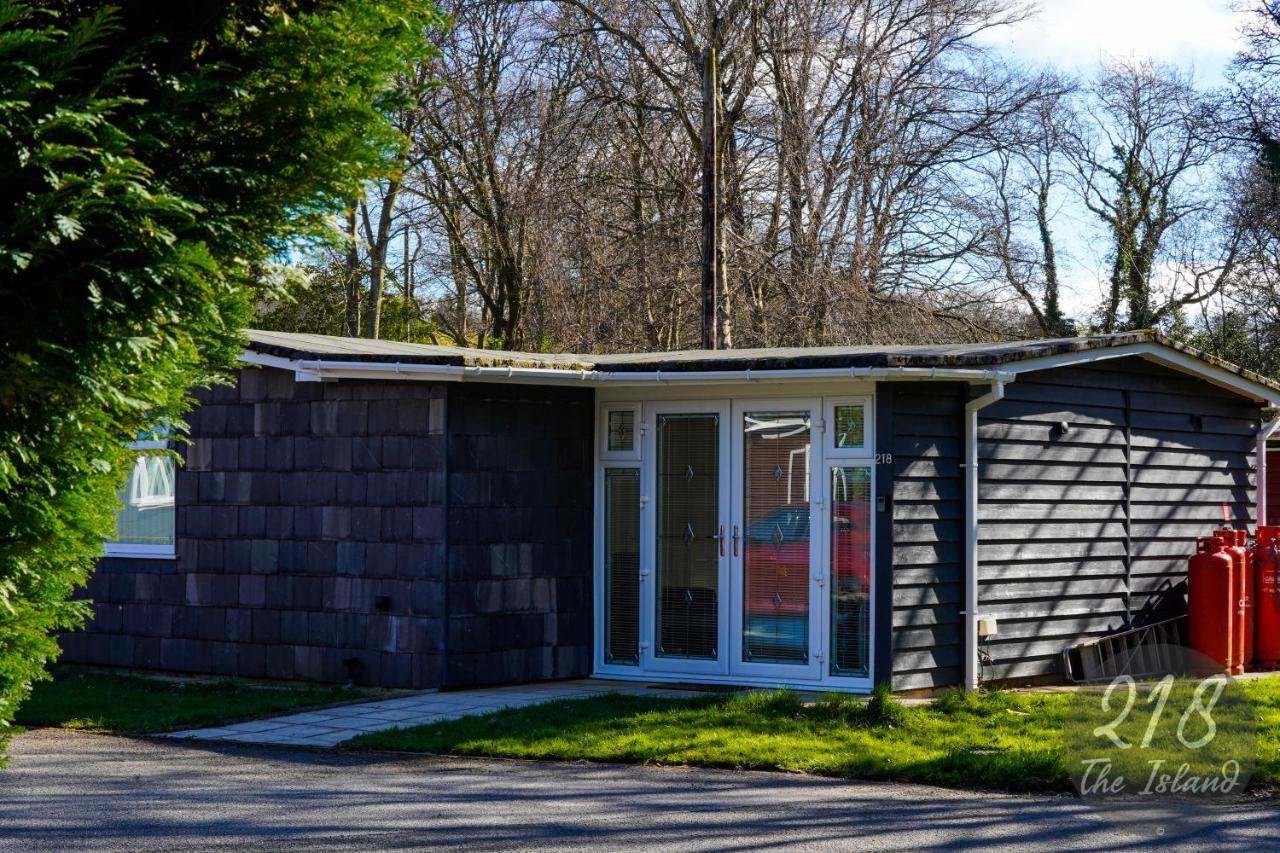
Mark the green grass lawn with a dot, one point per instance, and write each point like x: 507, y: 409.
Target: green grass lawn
x: 996, y: 739
x: 94, y: 700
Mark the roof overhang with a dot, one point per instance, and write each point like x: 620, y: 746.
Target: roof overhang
x: 323, y: 370
x: 309, y: 367
x: 1232, y: 379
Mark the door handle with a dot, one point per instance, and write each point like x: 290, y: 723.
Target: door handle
x: 735, y: 540
x: 720, y: 536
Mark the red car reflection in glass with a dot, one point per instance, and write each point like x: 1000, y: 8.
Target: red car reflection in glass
x: 777, y: 568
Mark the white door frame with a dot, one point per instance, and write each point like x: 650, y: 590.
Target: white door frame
x: 825, y: 456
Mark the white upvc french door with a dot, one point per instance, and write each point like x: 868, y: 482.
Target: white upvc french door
x: 734, y: 541
x: 776, y: 572
x: 684, y: 555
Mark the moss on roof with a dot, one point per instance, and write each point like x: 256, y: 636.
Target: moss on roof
x: 309, y: 347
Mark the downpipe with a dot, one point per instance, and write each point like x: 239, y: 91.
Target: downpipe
x: 970, y: 613
x: 1268, y: 429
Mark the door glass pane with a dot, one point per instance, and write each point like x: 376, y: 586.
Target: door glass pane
x: 775, y: 479
x: 850, y: 570
x: 622, y: 430
x: 850, y: 426
x: 688, y: 519
x: 622, y: 565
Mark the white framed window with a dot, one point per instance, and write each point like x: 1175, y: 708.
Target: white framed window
x: 145, y: 520
x: 850, y: 551
x: 849, y: 427
x: 620, y: 542
x: 620, y: 432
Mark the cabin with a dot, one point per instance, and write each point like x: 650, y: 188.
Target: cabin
x: 828, y: 518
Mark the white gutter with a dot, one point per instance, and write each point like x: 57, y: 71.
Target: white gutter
x: 1268, y: 429
x: 325, y: 369
x: 970, y: 612
x: 697, y: 376
x: 313, y: 370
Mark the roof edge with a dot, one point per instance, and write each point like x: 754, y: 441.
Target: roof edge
x: 492, y: 365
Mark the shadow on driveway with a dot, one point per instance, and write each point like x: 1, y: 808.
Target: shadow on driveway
x: 66, y: 791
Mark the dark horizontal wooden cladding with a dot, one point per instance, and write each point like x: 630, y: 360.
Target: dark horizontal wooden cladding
x: 1095, y: 482
x: 928, y: 533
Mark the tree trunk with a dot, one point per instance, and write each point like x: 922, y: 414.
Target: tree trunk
x: 378, y: 244
x: 1052, y: 322
x: 408, y: 288
x: 351, y: 270
x: 712, y: 259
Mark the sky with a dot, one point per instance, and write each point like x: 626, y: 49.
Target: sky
x: 1076, y: 35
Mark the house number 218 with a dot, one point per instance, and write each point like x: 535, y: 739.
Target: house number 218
x: 884, y: 458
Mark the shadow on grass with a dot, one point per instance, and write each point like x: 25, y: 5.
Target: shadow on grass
x: 99, y: 700
x: 990, y: 740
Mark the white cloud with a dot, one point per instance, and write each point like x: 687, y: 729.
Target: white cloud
x: 1077, y: 34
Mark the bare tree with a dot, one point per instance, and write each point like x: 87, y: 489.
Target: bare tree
x: 1255, y: 72
x: 883, y: 177
x: 675, y: 42
x: 878, y: 106
x: 378, y: 219
x: 499, y: 129
x: 1019, y: 194
x: 1145, y: 160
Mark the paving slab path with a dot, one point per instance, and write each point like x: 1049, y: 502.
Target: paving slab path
x: 76, y: 792
x: 325, y: 727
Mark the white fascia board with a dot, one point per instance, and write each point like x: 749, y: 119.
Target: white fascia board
x: 1166, y: 356
x: 695, y: 377
x: 279, y: 362
x: 314, y: 370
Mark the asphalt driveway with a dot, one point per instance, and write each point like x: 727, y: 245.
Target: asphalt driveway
x: 67, y: 792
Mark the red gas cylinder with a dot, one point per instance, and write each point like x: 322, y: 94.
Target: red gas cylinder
x: 1250, y: 597
x: 1266, y: 588
x: 1242, y: 625
x: 1211, y: 602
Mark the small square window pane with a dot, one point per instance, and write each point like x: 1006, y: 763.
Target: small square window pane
x: 622, y: 430
x: 850, y: 425
x: 146, y: 517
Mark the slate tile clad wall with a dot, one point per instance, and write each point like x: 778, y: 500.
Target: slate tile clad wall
x: 435, y: 534
x: 519, y: 533
x: 1095, y: 483
x: 311, y: 528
